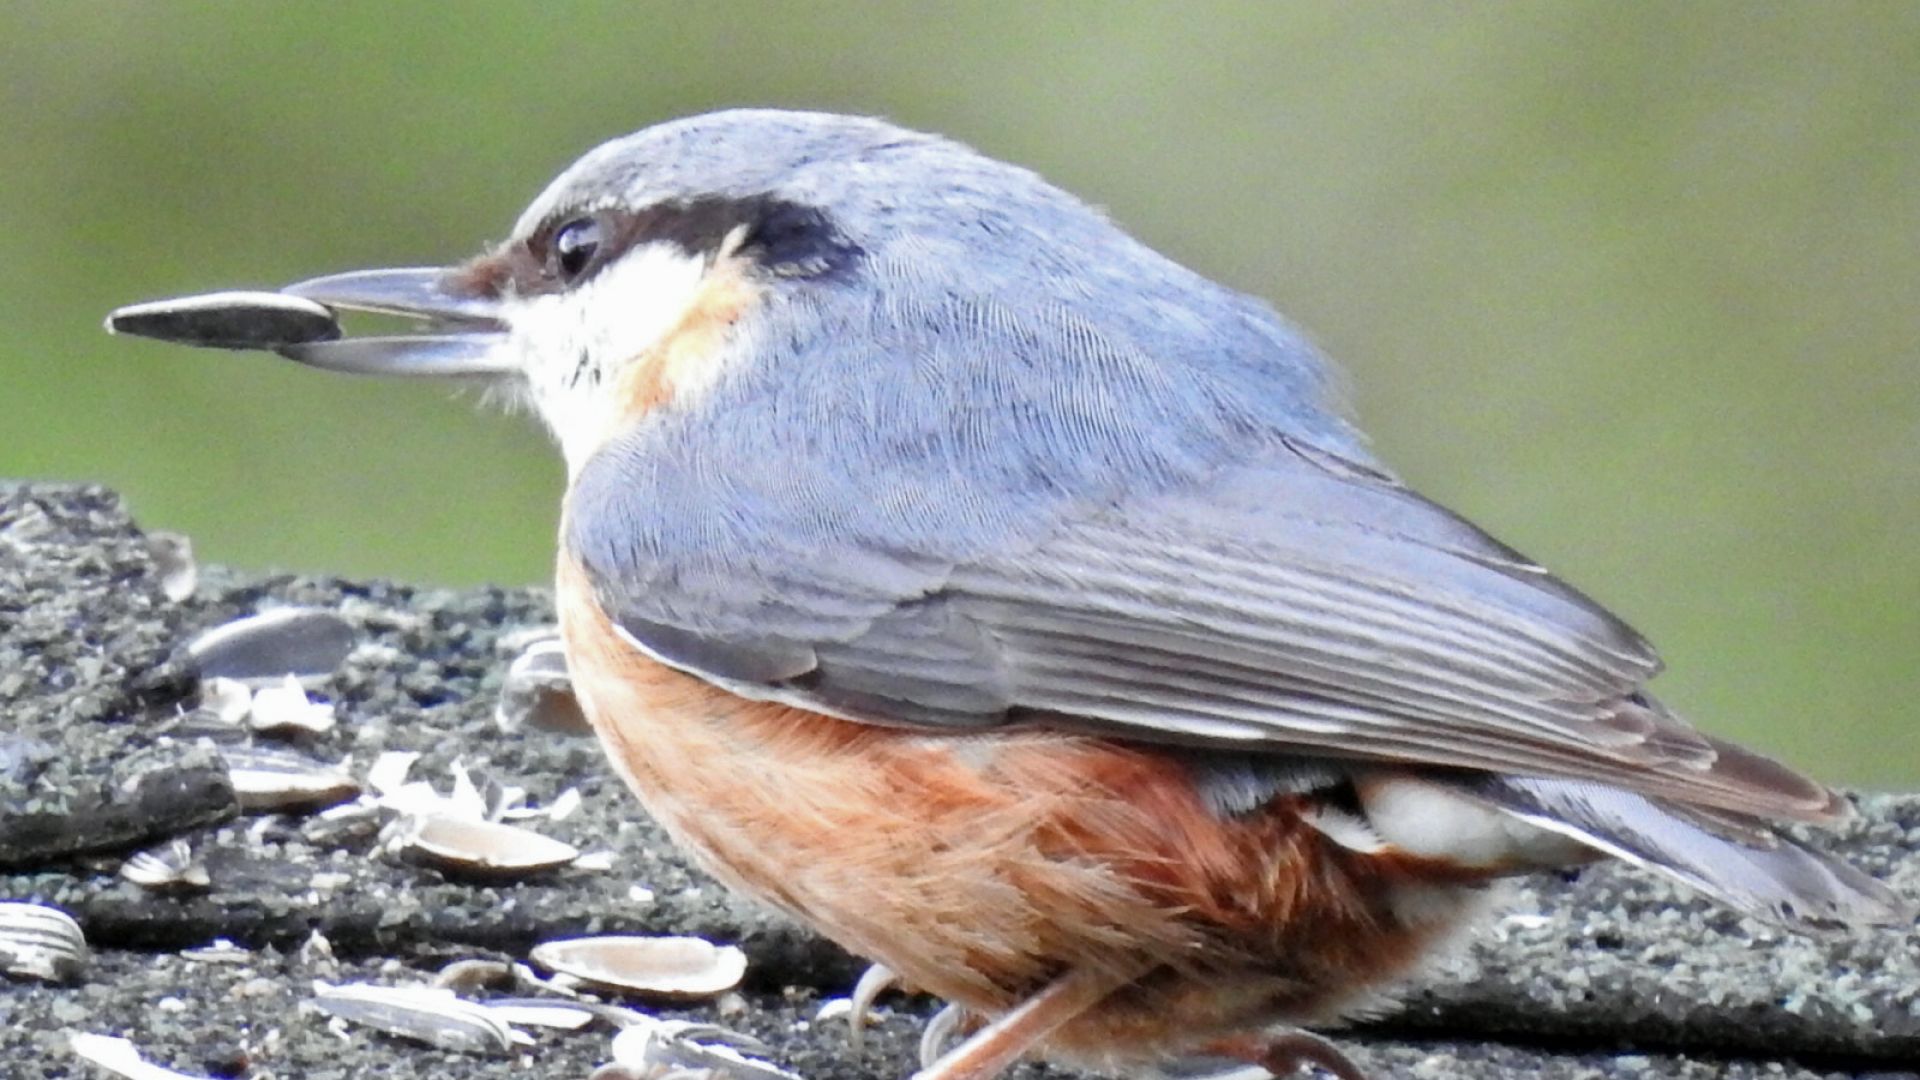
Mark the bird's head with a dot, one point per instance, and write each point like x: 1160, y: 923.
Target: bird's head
x: 662, y: 262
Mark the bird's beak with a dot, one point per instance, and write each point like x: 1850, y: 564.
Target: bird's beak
x: 462, y: 335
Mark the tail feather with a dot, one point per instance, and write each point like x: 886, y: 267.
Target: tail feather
x: 1775, y: 880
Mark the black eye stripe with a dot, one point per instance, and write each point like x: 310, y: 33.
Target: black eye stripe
x: 774, y: 230
x: 780, y: 236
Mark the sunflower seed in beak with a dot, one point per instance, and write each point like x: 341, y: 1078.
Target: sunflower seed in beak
x: 229, y: 320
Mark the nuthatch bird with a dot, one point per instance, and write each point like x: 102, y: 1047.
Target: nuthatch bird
x: 947, y: 569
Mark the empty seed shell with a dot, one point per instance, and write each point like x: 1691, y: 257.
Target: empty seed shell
x: 673, y: 967
x: 538, y: 693
x: 120, y: 1056
x: 679, y: 1048
x: 228, y: 320
x: 285, y: 707
x: 271, y: 779
x: 287, y: 641
x: 427, y: 1014
x: 471, y: 846
x: 388, y: 773
x: 564, y: 804
x: 337, y: 824
x: 168, y: 867
x: 227, y: 700
x: 541, y: 1012
x: 39, y: 942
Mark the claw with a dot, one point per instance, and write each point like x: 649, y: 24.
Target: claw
x: 873, y: 982
x: 937, y: 1034
x: 1287, y: 1053
x: 1303, y: 1049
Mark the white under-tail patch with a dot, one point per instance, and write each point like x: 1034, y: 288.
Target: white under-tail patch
x: 1424, y: 818
x: 1415, y: 905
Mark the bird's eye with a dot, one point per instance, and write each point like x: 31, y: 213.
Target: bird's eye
x: 574, y: 246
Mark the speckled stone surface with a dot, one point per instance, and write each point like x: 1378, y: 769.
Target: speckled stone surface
x: 1610, y: 975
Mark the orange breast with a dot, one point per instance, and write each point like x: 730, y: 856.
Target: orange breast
x: 979, y: 867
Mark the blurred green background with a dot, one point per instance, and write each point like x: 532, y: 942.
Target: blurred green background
x: 1633, y: 285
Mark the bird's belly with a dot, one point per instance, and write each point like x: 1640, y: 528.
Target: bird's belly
x: 978, y: 868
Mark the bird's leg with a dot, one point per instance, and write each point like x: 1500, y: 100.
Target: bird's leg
x: 991, y: 1049
x: 873, y: 982
x: 1284, y: 1054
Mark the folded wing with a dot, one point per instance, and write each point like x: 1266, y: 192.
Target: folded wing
x: 1295, y: 603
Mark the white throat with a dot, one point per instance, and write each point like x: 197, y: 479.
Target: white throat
x: 573, y: 345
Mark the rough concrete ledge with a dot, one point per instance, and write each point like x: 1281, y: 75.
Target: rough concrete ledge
x: 1611, y: 974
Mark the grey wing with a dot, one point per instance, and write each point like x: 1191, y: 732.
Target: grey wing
x: 1297, y: 602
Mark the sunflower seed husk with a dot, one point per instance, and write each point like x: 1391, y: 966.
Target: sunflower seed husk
x: 120, y: 1056
x: 541, y: 1012
x: 270, y: 779
x: 538, y: 692
x: 171, y: 866
x: 427, y: 1014
x: 481, y: 848
x: 228, y: 320
x: 670, y: 967
x: 284, y: 707
x: 653, y: 1045
x: 226, y: 700
x: 595, y: 860
x: 388, y: 773
x: 466, y: 800
x: 39, y: 942
x: 564, y: 804
x: 336, y: 824
x: 305, y: 642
